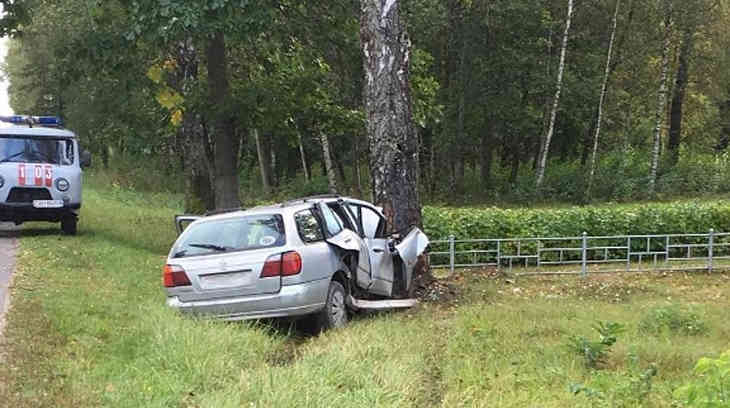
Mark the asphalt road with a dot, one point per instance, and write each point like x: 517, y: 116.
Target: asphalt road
x: 7, y: 264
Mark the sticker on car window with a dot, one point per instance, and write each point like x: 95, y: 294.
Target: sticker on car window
x: 267, y: 240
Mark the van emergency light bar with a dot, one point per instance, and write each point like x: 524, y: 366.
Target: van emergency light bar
x: 47, y: 121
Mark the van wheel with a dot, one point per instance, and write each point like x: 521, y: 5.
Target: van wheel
x: 69, y: 225
x: 334, y: 314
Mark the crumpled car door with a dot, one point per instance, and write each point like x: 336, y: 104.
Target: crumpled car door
x: 408, y: 251
x: 350, y: 241
x: 346, y: 239
x: 381, y: 261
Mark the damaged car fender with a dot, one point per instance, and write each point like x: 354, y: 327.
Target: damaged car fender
x: 409, y: 249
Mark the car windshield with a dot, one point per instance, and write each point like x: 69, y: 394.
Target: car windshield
x: 21, y: 149
x: 232, y: 234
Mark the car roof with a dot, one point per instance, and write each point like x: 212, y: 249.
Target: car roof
x: 287, y: 207
x: 35, y: 131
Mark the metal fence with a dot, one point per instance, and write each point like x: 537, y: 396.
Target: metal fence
x: 585, y: 254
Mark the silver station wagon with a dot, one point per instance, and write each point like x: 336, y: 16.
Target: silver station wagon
x: 320, y: 256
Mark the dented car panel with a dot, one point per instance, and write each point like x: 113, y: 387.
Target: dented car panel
x: 410, y: 249
x: 381, y: 260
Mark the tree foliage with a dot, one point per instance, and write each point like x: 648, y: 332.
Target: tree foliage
x: 482, y: 84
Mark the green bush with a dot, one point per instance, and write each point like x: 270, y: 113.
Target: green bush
x: 650, y: 218
x: 595, y: 352
x: 711, y: 388
x: 672, y: 319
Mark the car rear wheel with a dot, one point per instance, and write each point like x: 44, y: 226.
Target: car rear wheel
x: 69, y: 225
x: 334, y: 313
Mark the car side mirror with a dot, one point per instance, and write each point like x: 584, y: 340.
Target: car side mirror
x: 85, y: 158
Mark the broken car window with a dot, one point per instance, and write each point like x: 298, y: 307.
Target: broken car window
x: 308, y: 226
x: 356, y: 215
x: 370, y: 222
x: 342, y: 216
x: 331, y: 223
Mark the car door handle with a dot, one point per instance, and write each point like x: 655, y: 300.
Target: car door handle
x: 378, y: 250
x: 348, y: 240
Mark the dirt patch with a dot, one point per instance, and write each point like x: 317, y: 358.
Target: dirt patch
x: 603, y: 289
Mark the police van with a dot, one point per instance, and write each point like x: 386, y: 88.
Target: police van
x: 40, y: 171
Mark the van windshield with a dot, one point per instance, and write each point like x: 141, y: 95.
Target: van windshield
x: 22, y: 149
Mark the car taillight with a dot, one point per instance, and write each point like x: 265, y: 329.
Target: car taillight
x: 286, y: 264
x: 272, y: 267
x: 291, y: 263
x: 174, y: 275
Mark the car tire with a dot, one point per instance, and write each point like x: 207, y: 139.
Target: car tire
x: 334, y: 313
x: 69, y: 225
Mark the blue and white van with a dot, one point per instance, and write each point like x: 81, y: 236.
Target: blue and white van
x: 40, y: 171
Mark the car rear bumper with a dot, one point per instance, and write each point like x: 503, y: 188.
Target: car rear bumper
x: 293, y: 300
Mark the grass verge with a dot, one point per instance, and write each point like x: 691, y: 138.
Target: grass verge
x: 88, y: 327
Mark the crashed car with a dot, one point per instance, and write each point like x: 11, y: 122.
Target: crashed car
x: 321, y: 257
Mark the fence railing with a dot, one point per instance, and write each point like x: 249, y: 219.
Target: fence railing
x: 584, y: 254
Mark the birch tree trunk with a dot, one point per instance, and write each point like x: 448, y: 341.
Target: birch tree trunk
x: 273, y: 166
x: 263, y: 162
x: 661, y: 97
x: 601, y: 99
x: 356, y: 163
x: 303, y: 157
x: 556, y: 99
x: 391, y: 135
x: 328, y: 165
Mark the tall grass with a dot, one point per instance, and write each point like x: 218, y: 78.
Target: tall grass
x: 88, y: 327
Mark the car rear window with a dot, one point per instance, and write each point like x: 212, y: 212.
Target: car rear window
x: 233, y: 234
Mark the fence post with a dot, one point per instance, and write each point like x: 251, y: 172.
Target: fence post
x: 711, y: 240
x: 452, y: 255
x: 583, y: 270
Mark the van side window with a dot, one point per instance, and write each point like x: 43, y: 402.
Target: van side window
x: 308, y: 226
x: 69, y: 156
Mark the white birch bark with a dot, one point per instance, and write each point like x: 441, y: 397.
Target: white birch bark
x: 262, y: 162
x: 393, y: 142
x: 303, y: 156
x: 556, y: 99
x: 331, y: 175
x: 661, y: 97
x: 601, y: 99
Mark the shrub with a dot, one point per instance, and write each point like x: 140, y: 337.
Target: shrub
x: 672, y: 319
x: 595, y: 352
x: 649, y: 218
x: 711, y: 388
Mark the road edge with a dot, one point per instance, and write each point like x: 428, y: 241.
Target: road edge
x: 5, y: 306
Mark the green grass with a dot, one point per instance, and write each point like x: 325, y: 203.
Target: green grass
x: 88, y: 327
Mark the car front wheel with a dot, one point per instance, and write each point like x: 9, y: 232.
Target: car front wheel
x: 334, y: 314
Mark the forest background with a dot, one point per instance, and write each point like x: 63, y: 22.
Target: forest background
x: 515, y: 102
